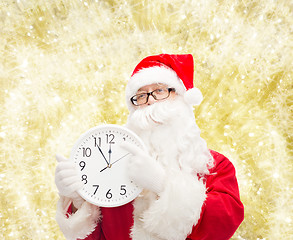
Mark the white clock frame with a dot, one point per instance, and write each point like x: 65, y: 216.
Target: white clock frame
x: 102, y: 165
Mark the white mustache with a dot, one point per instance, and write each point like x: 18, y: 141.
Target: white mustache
x: 157, y: 113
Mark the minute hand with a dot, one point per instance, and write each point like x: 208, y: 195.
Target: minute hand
x: 109, y: 166
x: 103, y: 155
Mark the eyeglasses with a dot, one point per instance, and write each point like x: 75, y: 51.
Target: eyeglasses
x: 158, y: 94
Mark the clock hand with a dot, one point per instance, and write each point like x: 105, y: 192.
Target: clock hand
x: 120, y: 158
x: 109, y: 166
x: 110, y: 151
x: 104, y: 169
x: 103, y: 155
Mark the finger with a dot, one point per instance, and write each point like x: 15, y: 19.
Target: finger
x: 131, y: 170
x: 67, y: 173
x: 76, y: 186
x: 129, y: 147
x: 129, y: 161
x: 68, y: 192
x: 134, y: 165
x: 60, y: 158
x: 65, y: 166
x: 72, y: 181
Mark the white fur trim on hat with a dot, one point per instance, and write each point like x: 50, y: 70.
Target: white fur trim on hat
x: 147, y: 76
x: 193, y: 96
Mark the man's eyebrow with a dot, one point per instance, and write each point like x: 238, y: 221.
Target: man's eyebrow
x: 141, y: 91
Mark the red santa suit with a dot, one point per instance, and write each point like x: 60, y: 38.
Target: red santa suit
x: 221, y: 212
x: 199, y: 198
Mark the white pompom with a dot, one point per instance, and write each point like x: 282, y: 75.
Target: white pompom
x: 193, y: 96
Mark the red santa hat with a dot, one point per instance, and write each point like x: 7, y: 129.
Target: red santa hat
x: 174, y: 70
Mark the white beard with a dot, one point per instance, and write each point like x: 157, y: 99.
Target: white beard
x: 171, y: 135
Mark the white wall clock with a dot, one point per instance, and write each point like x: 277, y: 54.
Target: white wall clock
x: 101, y: 164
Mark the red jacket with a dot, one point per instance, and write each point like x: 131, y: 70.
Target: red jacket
x: 222, y: 211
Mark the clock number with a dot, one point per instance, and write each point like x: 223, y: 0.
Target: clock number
x: 97, y: 142
x: 86, y: 152
x: 110, y: 138
x: 82, y: 165
x: 84, y: 178
x: 123, y: 190
x: 109, y: 195
x: 96, y: 186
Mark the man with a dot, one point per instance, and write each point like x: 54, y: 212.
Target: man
x: 190, y: 192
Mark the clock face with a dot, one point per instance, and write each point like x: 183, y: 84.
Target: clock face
x: 101, y: 164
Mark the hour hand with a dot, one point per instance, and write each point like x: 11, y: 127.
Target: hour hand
x: 104, y: 169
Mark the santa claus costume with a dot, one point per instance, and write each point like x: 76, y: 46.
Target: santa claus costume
x: 199, y: 195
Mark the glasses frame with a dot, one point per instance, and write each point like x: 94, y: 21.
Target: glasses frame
x: 148, y: 95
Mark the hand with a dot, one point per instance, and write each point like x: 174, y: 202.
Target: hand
x: 145, y: 171
x: 114, y: 162
x: 103, y: 155
x: 110, y: 151
x: 67, y: 180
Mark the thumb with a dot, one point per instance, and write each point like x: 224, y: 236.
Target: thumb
x: 60, y: 158
x: 131, y: 148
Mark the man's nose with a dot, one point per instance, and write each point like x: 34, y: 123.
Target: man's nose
x: 151, y: 100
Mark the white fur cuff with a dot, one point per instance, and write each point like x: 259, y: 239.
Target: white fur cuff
x: 81, y: 223
x: 178, y: 208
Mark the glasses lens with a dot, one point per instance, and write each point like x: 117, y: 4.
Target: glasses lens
x: 139, y: 99
x: 161, y: 93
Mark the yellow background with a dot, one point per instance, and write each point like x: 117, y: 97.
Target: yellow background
x: 64, y: 66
